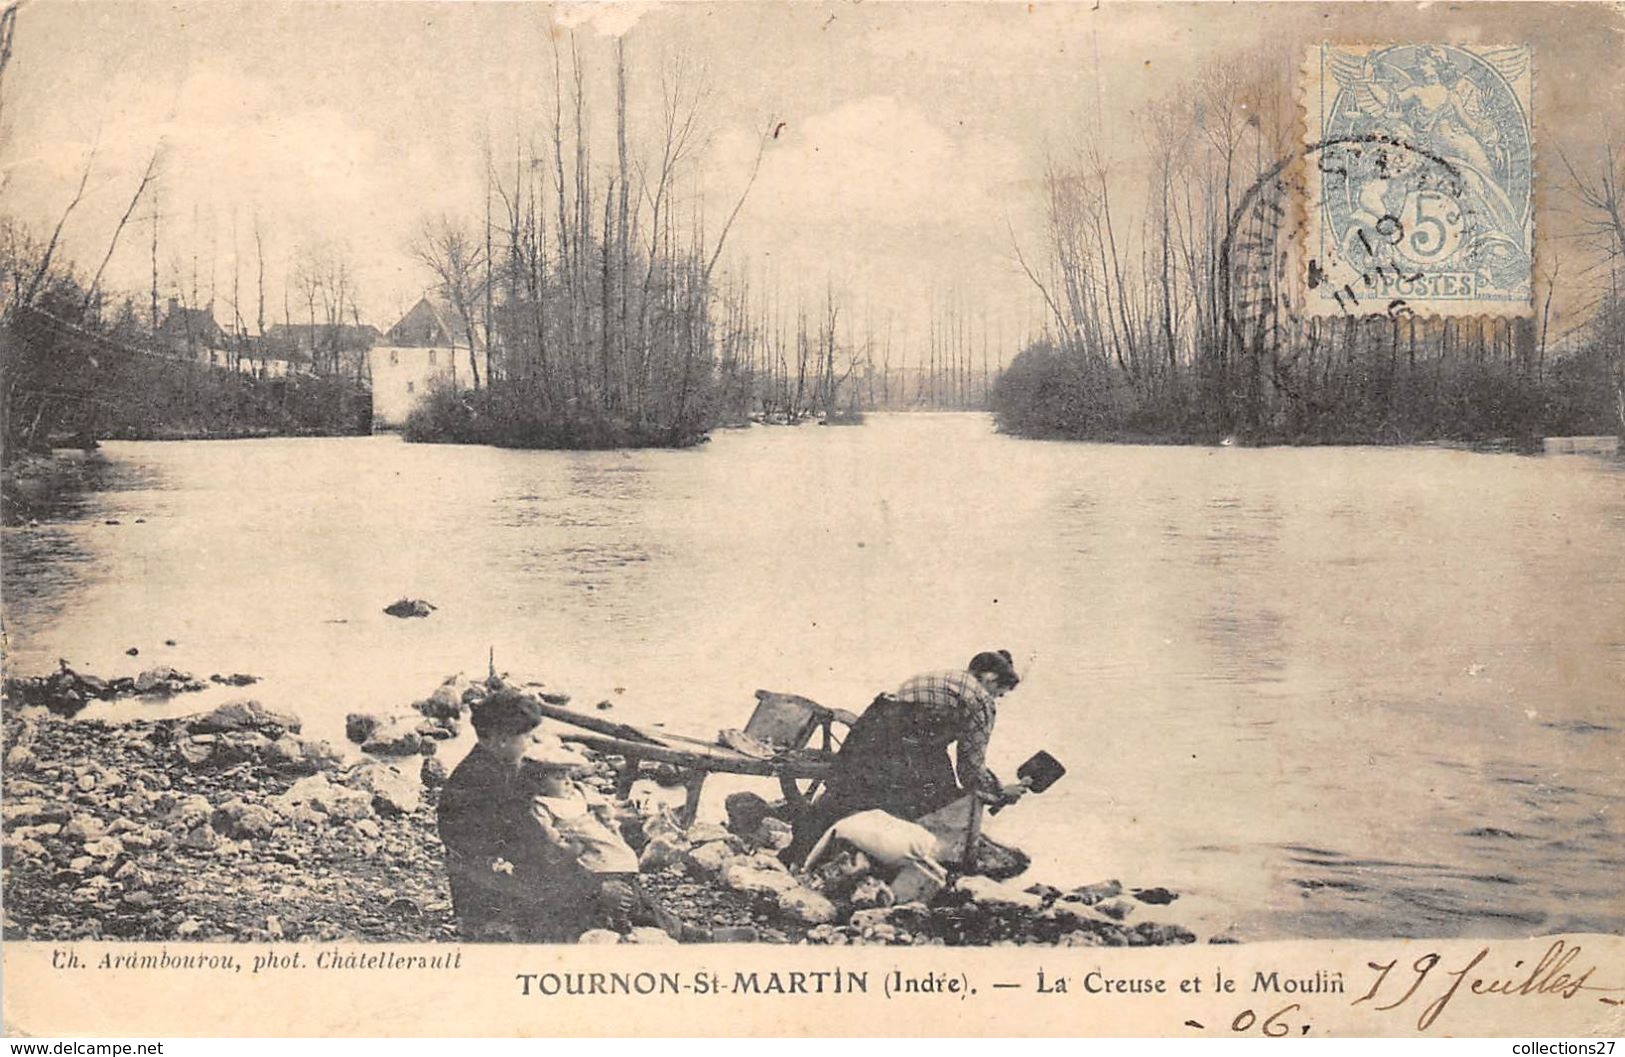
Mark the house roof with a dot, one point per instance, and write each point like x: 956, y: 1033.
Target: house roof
x: 428, y: 315
x: 350, y: 335
x: 191, y: 325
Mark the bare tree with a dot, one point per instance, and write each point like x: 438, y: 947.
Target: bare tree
x: 135, y: 199
x: 456, y: 259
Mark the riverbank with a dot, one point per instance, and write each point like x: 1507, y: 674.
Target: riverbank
x: 231, y: 825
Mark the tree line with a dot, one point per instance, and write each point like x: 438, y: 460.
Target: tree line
x: 594, y: 289
x: 1171, y: 316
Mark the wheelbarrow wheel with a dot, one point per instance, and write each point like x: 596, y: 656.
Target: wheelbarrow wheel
x: 799, y: 793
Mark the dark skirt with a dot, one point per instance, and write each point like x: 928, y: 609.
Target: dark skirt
x: 893, y: 760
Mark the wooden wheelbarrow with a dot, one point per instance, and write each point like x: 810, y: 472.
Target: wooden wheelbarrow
x: 777, y: 743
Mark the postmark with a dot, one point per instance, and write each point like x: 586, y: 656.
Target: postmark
x: 1419, y: 179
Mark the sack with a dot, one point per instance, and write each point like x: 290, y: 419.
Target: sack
x: 886, y: 839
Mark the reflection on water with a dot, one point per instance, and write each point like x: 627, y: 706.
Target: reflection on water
x: 1321, y: 692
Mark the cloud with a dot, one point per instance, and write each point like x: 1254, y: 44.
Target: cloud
x: 605, y: 19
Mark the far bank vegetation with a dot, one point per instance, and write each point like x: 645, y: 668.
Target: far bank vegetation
x: 1149, y: 335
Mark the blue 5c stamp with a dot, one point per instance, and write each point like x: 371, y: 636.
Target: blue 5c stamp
x: 1420, y: 180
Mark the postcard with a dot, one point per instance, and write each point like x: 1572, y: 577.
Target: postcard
x: 829, y: 519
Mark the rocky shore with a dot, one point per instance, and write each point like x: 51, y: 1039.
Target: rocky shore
x: 232, y: 825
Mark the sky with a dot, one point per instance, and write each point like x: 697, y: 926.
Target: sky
x: 913, y: 135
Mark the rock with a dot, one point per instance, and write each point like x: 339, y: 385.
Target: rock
x: 1160, y: 935
x: 595, y: 937
x: 183, y: 813
x: 1156, y: 896
x: 708, y: 859
x: 189, y: 927
x: 872, y: 893
x: 132, y: 875
x: 806, y: 906
x: 83, y: 828
x: 437, y: 729
x: 132, y: 651
x: 200, y: 838
x: 292, y: 754
x: 1116, y: 909
x: 26, y: 812
x: 990, y: 893
x: 735, y: 934
x: 82, y: 864
x: 299, y: 815
x: 916, y: 883
x: 368, y: 828
x: 841, y: 875
x: 20, y: 849
x: 1064, y: 917
x: 234, y: 679
x: 193, y: 752
x: 394, y: 790
x: 645, y: 934
x: 20, y: 758
x: 104, y: 848
x: 828, y: 935
x: 998, y: 861
x: 1080, y: 939
x: 661, y: 852
x: 873, y: 924
x: 409, y: 607
x: 273, y: 927
x: 240, y: 820
x: 1048, y: 893
x: 912, y: 917
x: 445, y: 703
x: 705, y: 833
x: 774, y: 833
x: 164, y: 680
x: 239, y: 747
x: 750, y: 876
x: 138, y: 900
x: 242, y: 717
x: 433, y: 773
x: 358, y: 726
x: 1089, y: 895
x: 745, y: 813
x: 395, y: 738
x: 320, y: 796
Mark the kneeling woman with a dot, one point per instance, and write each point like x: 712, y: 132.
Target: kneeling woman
x: 896, y: 756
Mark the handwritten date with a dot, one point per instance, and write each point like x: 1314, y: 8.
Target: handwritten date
x: 1560, y: 973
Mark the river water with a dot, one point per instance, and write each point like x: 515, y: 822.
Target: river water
x: 1320, y: 692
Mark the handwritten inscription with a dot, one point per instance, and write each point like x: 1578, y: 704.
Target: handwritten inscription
x: 1562, y: 972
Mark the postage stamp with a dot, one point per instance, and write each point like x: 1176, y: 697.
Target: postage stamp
x: 1418, y: 179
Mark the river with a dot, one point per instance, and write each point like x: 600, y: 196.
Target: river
x: 1328, y: 692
